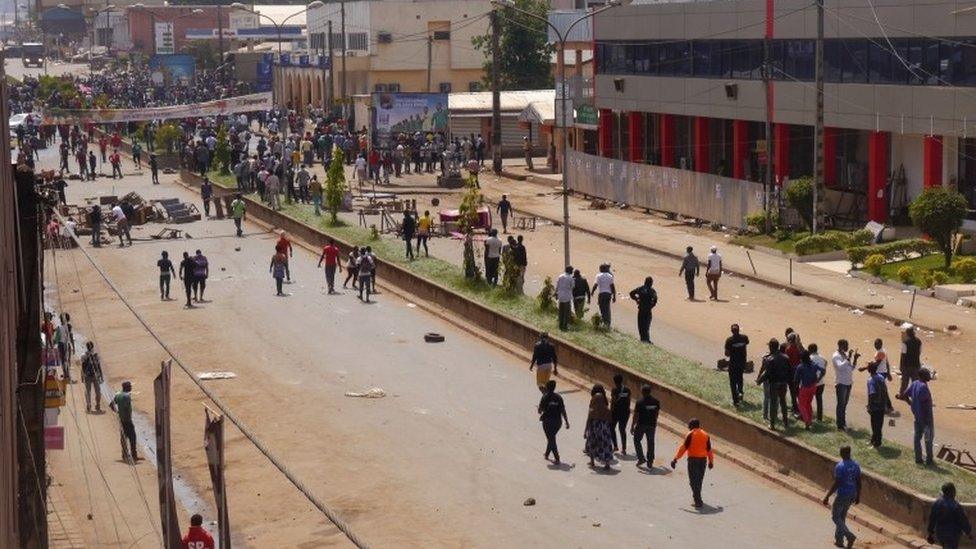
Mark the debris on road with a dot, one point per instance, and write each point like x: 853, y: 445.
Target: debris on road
x: 529, y: 502
x: 874, y: 306
x: 373, y: 392
x: 857, y: 312
x: 216, y: 375
x: 433, y: 337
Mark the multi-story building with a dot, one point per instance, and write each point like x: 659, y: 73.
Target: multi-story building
x: 681, y: 85
x: 405, y: 46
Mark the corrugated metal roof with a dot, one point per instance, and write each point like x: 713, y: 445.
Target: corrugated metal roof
x: 540, y: 112
x: 510, y: 100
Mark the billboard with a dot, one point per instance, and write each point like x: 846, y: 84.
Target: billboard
x: 174, y: 68
x: 164, y: 38
x: 265, y: 73
x: 395, y: 113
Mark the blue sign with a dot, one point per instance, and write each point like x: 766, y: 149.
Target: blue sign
x: 303, y: 60
x: 175, y: 68
x: 264, y: 80
x: 324, y: 62
x: 285, y: 60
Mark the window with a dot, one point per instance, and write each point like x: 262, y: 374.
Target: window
x: 358, y: 41
x: 855, y: 68
x: 474, y: 86
x: 442, y: 35
x: 336, y: 40
x: 393, y: 88
x: 879, y: 63
x: 444, y: 87
x: 379, y: 88
x: 384, y: 37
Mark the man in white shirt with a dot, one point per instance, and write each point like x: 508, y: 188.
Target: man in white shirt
x: 273, y: 186
x: 121, y: 224
x: 606, y: 292
x: 713, y: 273
x: 844, y: 363
x: 564, y: 295
x: 821, y: 365
x: 493, y: 256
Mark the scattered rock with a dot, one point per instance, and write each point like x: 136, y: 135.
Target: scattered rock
x: 596, y: 524
x: 89, y: 516
x: 237, y: 249
x: 433, y: 337
x: 529, y: 502
x: 874, y: 306
x: 223, y: 268
x: 858, y: 312
x: 796, y: 292
x: 952, y: 327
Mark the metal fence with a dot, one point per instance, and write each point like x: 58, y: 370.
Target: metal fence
x: 700, y: 195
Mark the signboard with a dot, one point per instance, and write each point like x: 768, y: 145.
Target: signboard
x: 587, y: 117
x: 243, y: 20
x: 176, y: 68
x: 303, y: 60
x: 395, y: 113
x: 244, y: 33
x: 265, y: 73
x: 164, y: 38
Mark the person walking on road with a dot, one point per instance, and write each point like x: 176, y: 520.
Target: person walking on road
x: 775, y: 371
x: 493, y: 256
x: 92, y: 165
x: 238, y: 209
x: 877, y: 403
x: 552, y: 414
x: 911, y: 358
x: 947, y: 520
x: 581, y: 290
x: 352, y: 268
x: 522, y: 261
x: 698, y: 446
x: 91, y: 376
x: 543, y: 361
x: 713, y: 272
x: 606, y: 292
x: 95, y: 218
x: 122, y: 405
x: 644, y: 425
x: 116, y: 161
x: 330, y: 255
x: 154, y: 168
x: 881, y: 361
x: 121, y: 224
x: 504, y: 208
x: 366, y: 269
x: 847, y: 486
x: 165, y: 271
x: 315, y: 189
x: 197, y: 537
x: 424, y: 224
x: 283, y: 246
x: 137, y: 155
x: 564, y: 297
x: 689, y: 269
x: 277, y: 269
x: 736, y: 350
x: 646, y: 298
x: 620, y: 412
x: 844, y: 361
x: 206, y: 193
x: 599, y: 431
x: 187, y: 270
x: 201, y: 270
x: 920, y: 399
x: 806, y: 378
x: 407, y: 230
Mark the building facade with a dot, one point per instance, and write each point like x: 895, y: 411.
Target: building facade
x: 681, y: 85
x: 405, y: 46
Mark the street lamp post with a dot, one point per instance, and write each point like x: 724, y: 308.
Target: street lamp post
x: 560, y: 99
x: 313, y: 5
x: 91, y: 46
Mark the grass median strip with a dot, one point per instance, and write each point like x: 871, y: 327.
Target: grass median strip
x: 893, y: 461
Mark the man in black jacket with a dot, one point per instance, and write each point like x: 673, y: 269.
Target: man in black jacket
x: 644, y: 425
x: 776, y: 372
x: 736, y: 351
x: 948, y: 521
x: 646, y: 298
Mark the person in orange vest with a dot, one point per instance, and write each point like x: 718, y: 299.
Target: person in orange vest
x: 698, y: 446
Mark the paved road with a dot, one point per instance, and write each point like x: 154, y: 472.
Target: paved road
x: 16, y: 69
x: 446, y: 459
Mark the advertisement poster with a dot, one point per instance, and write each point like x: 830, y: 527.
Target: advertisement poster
x: 164, y: 38
x: 265, y: 73
x: 230, y: 105
x: 174, y: 69
x: 395, y: 113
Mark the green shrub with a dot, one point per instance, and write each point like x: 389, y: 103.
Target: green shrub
x: 892, y: 251
x: 965, y: 268
x: 597, y: 322
x: 799, y: 195
x: 906, y: 275
x: 757, y: 221
x: 874, y: 263
x: 939, y: 278
x: 925, y: 279
x: 861, y: 237
x: 815, y: 244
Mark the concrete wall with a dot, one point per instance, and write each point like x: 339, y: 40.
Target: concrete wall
x: 891, y: 500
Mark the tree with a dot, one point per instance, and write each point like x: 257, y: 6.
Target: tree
x: 205, y: 52
x: 222, y: 151
x: 471, y: 200
x: 335, y: 185
x: 525, y: 53
x: 799, y: 195
x: 939, y: 213
x: 168, y: 135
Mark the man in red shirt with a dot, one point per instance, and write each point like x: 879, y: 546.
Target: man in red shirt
x: 330, y: 254
x: 116, y: 140
x: 283, y: 246
x: 197, y: 537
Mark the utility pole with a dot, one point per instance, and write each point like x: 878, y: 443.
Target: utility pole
x: 331, y: 69
x: 430, y: 49
x: 818, y: 127
x: 342, y: 29
x: 768, y: 92
x: 220, y: 37
x: 496, y: 108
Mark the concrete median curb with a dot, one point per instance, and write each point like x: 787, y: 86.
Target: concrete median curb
x: 889, y: 499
